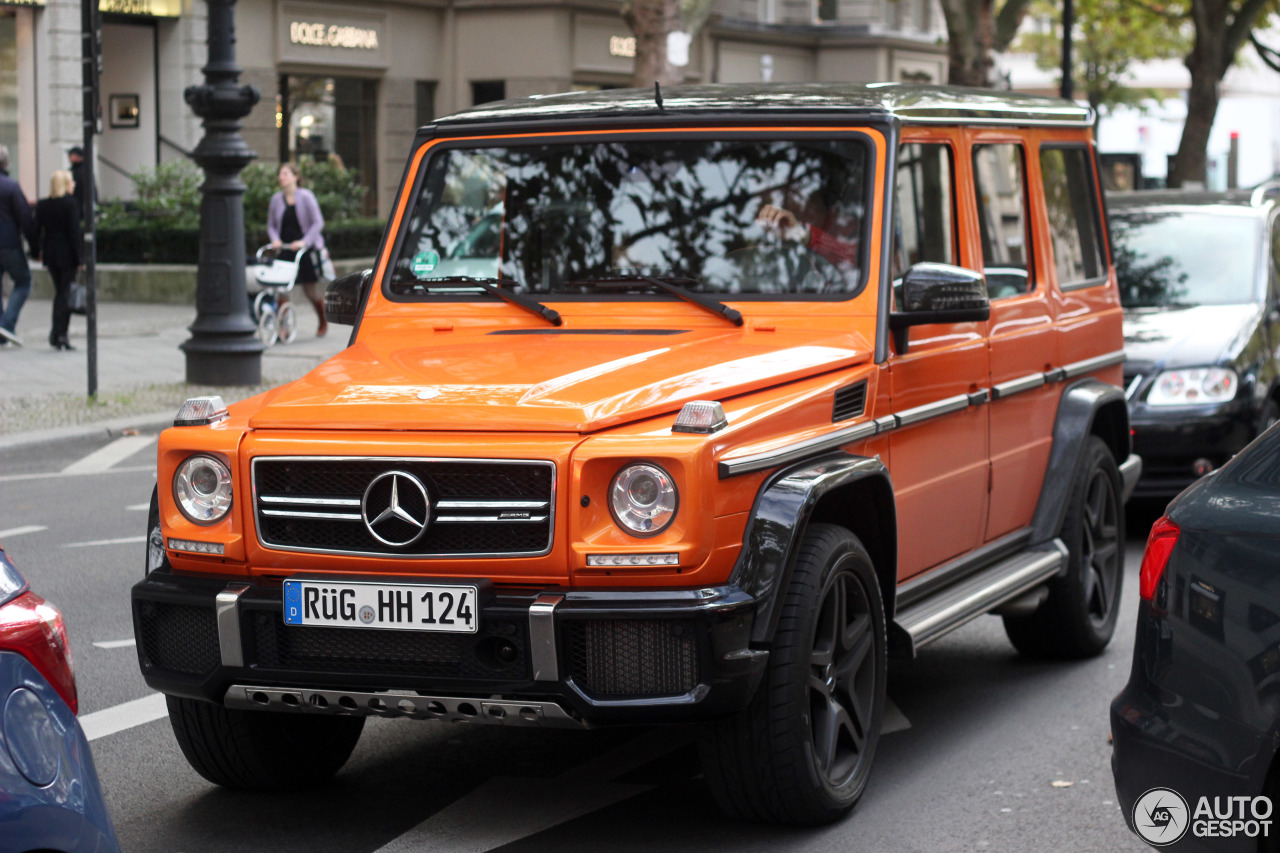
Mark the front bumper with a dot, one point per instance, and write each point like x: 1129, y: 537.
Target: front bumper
x: 1170, y: 439
x: 550, y: 657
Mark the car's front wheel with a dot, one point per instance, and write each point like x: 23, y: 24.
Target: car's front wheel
x: 801, y: 752
x: 261, y: 750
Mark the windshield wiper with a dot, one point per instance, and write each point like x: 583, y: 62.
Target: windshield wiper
x: 488, y: 285
x: 669, y: 285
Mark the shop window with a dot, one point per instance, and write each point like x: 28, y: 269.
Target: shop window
x: 1000, y: 173
x: 9, y: 88
x: 1073, y: 216
x: 485, y: 91
x: 827, y: 10
x: 332, y: 119
x: 424, y: 102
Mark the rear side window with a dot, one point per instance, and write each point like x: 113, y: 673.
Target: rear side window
x: 925, y: 211
x: 1000, y: 172
x: 1071, y: 202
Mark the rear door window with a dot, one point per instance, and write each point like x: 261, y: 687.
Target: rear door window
x: 1001, y: 176
x: 1071, y: 200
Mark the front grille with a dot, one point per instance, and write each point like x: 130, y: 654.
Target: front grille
x: 476, y: 507
x: 633, y: 657
x: 178, y: 637
x: 276, y: 645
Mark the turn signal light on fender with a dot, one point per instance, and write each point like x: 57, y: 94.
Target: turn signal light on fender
x: 1164, y: 535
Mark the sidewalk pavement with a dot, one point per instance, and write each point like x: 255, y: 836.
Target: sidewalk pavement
x: 141, y: 371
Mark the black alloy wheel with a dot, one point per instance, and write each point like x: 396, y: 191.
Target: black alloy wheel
x: 1078, y: 617
x: 801, y: 752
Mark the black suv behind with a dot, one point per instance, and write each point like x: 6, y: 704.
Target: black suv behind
x: 1199, y: 280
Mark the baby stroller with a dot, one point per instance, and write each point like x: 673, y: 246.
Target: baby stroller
x: 274, y: 315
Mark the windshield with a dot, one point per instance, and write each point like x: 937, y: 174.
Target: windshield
x: 1168, y: 256
x: 757, y: 218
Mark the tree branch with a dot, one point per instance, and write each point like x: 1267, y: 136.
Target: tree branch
x: 1269, y: 55
x: 1241, y: 27
x: 1007, y: 21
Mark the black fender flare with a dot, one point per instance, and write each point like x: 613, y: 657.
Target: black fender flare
x: 818, y: 489
x: 1087, y: 407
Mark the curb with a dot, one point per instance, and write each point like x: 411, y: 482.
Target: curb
x: 111, y: 428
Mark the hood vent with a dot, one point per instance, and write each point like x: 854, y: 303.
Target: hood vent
x: 850, y: 402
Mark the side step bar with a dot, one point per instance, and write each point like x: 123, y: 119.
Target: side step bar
x: 400, y: 703
x: 952, y: 606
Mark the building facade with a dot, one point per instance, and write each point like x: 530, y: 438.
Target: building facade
x: 353, y: 81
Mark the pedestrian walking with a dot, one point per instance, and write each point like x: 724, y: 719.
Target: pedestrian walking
x: 57, y: 238
x: 294, y: 224
x: 15, y: 223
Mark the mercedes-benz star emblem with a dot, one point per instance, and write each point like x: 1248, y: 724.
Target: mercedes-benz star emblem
x: 396, y: 509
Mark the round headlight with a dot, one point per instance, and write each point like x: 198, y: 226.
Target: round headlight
x: 202, y: 488
x: 643, y: 499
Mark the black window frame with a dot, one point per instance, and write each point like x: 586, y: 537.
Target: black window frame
x: 1033, y: 281
x: 1095, y: 205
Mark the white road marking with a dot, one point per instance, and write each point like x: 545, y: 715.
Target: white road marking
x: 894, y: 720
x: 118, y: 718
x: 139, y: 507
x: 106, y: 457
x: 51, y: 475
x: 117, y: 644
x: 18, y: 531
x: 504, y: 809
x: 127, y: 540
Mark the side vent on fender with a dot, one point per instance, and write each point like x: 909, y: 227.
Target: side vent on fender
x: 850, y: 401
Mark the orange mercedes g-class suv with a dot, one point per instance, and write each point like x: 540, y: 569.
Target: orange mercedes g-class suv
x: 665, y: 407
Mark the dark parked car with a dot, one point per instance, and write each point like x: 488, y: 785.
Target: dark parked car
x: 1200, y: 714
x: 50, y: 799
x: 1198, y: 279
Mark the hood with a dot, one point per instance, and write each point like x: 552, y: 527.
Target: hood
x: 551, y: 381
x: 1188, y: 336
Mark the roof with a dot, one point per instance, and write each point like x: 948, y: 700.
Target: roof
x: 910, y: 103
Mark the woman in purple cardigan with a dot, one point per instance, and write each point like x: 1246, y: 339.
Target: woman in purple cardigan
x: 294, y: 222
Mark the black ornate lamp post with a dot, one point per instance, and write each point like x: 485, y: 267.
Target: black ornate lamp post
x: 223, y: 349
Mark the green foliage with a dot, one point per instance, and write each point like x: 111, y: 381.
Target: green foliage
x: 167, y: 196
x: 1109, y: 35
x: 338, y: 190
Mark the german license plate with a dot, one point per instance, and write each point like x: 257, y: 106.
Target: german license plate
x: 395, y: 606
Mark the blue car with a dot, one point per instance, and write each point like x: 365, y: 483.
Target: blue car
x: 50, y: 799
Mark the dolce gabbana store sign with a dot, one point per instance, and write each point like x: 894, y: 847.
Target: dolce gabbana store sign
x: 316, y: 34
x: 144, y: 8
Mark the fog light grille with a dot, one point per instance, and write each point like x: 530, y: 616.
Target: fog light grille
x: 633, y: 657
x: 178, y: 637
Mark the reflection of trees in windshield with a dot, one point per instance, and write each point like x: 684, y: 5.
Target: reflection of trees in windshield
x: 675, y: 208
x: 1170, y: 256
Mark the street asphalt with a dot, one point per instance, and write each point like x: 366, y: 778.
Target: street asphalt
x: 141, y: 370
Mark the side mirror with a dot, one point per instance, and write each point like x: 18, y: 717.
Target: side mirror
x: 343, y: 296
x: 938, y: 293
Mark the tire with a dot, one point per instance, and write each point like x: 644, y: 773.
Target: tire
x: 261, y: 750
x: 1079, y: 615
x: 268, y: 327
x: 287, y: 323
x: 801, y: 752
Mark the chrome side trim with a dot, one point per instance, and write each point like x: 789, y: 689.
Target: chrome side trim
x: 932, y: 410
x: 400, y: 703
x: 335, y: 516
x: 227, y: 608
x: 1080, y: 368
x: 1016, y: 386
x: 542, y: 637
x: 793, y: 452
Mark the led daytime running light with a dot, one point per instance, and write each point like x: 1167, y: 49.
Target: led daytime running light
x: 197, y: 547
x: 607, y: 560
